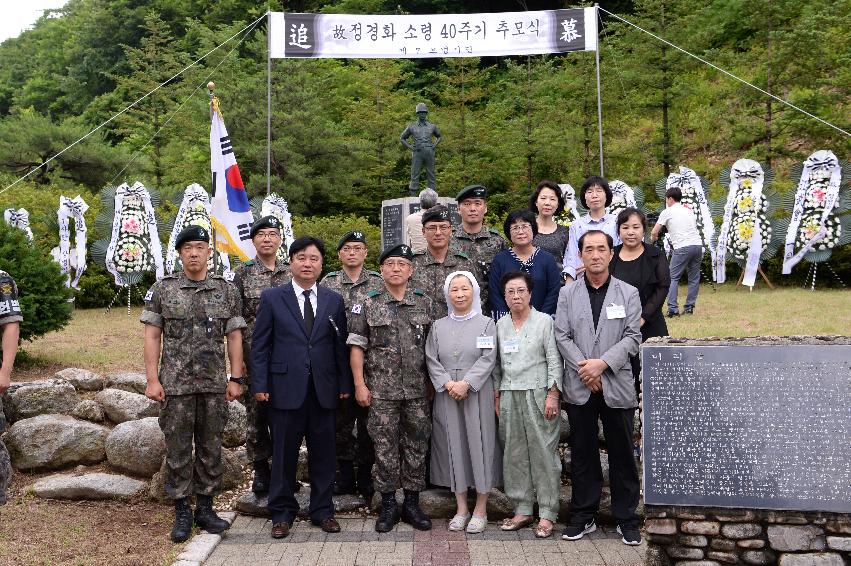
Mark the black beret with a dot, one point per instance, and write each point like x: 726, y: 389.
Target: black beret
x: 265, y: 222
x: 437, y: 213
x: 402, y: 250
x: 472, y: 191
x: 192, y: 233
x: 351, y: 236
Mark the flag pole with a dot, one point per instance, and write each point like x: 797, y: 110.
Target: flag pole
x: 599, y: 96
x: 211, y: 87
x: 268, y: 104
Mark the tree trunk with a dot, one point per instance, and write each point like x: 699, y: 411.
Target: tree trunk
x: 158, y: 170
x: 463, y: 140
x: 768, y: 100
x: 666, y: 128
x: 529, y: 121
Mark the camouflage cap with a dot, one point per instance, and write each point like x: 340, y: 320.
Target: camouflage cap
x: 437, y: 213
x: 270, y: 221
x: 402, y: 250
x: 193, y: 233
x: 472, y: 191
x: 351, y: 236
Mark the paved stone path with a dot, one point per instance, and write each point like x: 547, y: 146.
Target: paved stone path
x: 248, y: 542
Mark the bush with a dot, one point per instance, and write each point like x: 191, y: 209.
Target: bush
x: 41, y: 287
x: 331, y: 228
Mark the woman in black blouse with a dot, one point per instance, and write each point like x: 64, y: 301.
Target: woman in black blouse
x: 644, y: 267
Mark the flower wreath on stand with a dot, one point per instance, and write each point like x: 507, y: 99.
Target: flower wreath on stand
x: 815, y: 227
x: 624, y: 196
x: 194, y: 210
x: 569, y: 215
x: 746, y: 235
x: 134, y: 247
x: 694, y: 189
x: 274, y: 205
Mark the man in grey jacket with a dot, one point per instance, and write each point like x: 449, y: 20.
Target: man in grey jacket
x: 597, y: 330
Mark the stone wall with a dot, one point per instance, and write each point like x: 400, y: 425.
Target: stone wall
x: 711, y: 536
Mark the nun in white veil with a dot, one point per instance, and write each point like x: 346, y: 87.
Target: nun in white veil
x: 461, y: 354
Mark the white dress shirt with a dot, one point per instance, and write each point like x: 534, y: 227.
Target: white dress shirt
x: 299, y: 295
x: 583, y: 224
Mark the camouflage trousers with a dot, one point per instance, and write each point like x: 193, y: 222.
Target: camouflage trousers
x: 258, y: 439
x: 400, y: 431
x: 356, y: 449
x: 5, y: 471
x: 200, y: 419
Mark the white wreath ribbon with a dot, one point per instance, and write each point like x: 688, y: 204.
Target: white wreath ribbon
x: 19, y: 219
x: 72, y: 208
x: 276, y: 206
x: 687, y: 178
x: 193, y: 193
x: 741, y: 170
x: 822, y: 159
x: 138, y: 189
x: 618, y: 187
x: 569, y: 195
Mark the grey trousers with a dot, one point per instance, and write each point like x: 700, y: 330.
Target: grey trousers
x: 687, y: 259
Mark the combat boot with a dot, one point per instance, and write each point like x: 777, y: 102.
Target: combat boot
x: 262, y: 477
x: 365, y: 487
x: 206, y: 518
x: 182, y: 520
x: 412, y: 514
x: 389, y: 514
x: 346, y: 484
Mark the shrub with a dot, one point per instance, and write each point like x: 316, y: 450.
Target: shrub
x: 331, y: 228
x: 41, y: 287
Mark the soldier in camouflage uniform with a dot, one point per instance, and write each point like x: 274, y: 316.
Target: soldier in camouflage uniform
x: 481, y: 243
x: 387, y: 333
x: 264, y: 271
x: 192, y: 311
x: 10, y: 327
x: 438, y: 260
x: 353, y: 282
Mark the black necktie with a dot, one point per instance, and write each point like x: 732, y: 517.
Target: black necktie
x: 308, y: 312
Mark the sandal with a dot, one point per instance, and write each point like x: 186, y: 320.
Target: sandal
x: 542, y: 531
x: 477, y: 525
x: 458, y: 522
x: 512, y: 525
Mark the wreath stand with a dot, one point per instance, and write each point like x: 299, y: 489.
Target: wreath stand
x: 761, y: 272
x: 120, y: 289
x: 812, y: 274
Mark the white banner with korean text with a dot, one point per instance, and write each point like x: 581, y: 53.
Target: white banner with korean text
x: 348, y: 36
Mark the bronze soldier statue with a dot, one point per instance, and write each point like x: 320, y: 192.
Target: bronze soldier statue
x: 10, y: 328
x: 264, y: 271
x: 353, y: 282
x: 192, y: 312
x: 387, y: 333
x: 422, y: 149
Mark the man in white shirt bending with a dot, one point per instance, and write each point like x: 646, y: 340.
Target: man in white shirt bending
x: 688, y: 248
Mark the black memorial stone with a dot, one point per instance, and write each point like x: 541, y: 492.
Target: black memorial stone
x: 763, y: 426
x: 392, y: 225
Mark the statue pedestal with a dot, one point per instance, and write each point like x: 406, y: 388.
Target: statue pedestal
x: 395, y: 211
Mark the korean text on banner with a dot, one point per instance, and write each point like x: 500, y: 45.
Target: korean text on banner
x: 349, y: 36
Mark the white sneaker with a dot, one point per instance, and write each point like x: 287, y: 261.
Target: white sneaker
x: 477, y: 525
x: 458, y: 522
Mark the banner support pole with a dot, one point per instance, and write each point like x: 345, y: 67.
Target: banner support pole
x: 599, y: 95
x: 268, y: 103
x: 210, y: 88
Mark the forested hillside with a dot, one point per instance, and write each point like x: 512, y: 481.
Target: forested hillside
x: 507, y: 122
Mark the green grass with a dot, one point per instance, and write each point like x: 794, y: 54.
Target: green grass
x: 113, y: 341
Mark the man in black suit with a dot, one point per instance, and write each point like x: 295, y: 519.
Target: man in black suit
x: 300, y: 366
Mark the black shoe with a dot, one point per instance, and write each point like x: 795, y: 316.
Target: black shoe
x: 576, y: 532
x: 631, y: 535
x: 689, y: 310
x: 345, y: 485
x: 412, y: 514
x: 672, y: 314
x: 182, y: 520
x: 364, y: 480
x: 388, y: 516
x: 206, y: 518
x: 262, y: 477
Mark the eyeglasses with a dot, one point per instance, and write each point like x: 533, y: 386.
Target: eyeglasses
x: 267, y: 235
x: 396, y: 264
x: 350, y: 249
x: 516, y: 292
x: 520, y: 227
x: 432, y: 229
